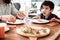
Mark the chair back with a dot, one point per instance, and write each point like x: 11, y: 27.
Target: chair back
x: 17, y: 5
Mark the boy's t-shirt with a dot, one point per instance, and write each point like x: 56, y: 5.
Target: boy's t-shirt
x: 49, y: 17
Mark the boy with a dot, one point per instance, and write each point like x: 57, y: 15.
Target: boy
x: 46, y: 9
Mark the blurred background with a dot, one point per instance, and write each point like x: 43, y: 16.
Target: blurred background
x: 33, y: 6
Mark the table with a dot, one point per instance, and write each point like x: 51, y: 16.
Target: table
x: 54, y: 27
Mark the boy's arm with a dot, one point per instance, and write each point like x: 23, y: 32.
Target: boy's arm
x: 56, y: 17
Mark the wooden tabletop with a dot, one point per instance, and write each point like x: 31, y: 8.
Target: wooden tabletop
x: 53, y: 26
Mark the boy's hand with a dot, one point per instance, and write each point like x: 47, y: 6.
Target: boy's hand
x: 54, y: 20
x: 36, y: 17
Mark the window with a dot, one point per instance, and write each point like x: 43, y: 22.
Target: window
x: 57, y: 2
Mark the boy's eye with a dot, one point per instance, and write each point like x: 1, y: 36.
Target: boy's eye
x: 46, y: 8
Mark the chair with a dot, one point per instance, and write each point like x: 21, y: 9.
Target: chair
x: 17, y: 5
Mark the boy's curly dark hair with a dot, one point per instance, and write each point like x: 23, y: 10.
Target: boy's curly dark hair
x: 48, y: 3
x: 7, y: 1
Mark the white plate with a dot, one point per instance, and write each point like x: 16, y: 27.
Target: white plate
x: 19, y: 31
x: 17, y: 22
x: 39, y: 21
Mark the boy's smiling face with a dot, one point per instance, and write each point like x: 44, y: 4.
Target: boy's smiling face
x: 46, y: 10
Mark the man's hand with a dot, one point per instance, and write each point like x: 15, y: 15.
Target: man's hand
x: 9, y: 18
x: 21, y: 15
x: 12, y: 18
